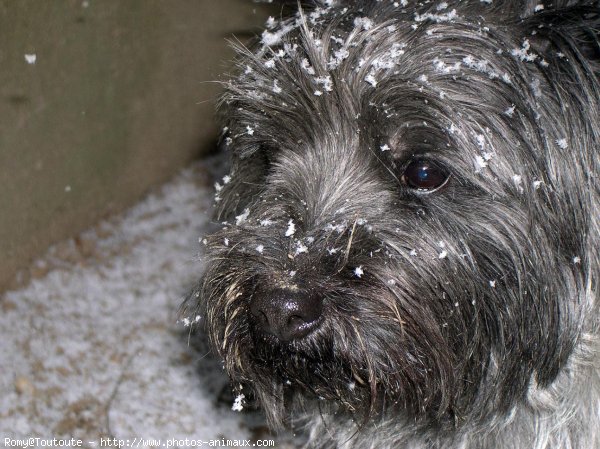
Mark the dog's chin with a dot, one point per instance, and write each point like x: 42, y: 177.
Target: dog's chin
x: 288, y: 361
x: 299, y: 367
x: 308, y: 381
x: 299, y: 375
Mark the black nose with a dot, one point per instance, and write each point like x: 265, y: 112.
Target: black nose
x: 287, y: 314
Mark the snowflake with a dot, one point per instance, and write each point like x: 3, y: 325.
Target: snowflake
x: 291, y: 230
x: 238, y: 403
x: 562, y: 143
x: 242, y: 217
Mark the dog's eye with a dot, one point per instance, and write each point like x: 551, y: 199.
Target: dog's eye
x: 424, y: 175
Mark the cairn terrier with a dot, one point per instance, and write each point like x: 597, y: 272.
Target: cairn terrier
x: 409, y: 252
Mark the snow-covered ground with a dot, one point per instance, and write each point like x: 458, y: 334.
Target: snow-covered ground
x: 90, y: 348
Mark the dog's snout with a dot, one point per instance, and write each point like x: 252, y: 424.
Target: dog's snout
x: 286, y: 314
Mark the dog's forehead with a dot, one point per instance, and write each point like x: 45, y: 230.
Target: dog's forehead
x: 340, y: 65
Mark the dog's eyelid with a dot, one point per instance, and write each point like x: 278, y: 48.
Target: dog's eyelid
x: 403, y: 159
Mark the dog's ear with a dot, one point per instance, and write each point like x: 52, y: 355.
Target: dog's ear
x: 306, y: 4
x: 530, y: 8
x: 574, y: 27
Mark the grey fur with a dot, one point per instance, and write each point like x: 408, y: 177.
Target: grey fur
x: 460, y: 318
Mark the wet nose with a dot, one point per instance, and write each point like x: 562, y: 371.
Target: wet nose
x: 288, y: 315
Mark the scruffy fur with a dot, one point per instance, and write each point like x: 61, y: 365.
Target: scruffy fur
x: 462, y: 317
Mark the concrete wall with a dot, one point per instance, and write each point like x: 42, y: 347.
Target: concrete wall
x: 119, y: 97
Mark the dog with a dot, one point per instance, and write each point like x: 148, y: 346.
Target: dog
x: 409, y: 246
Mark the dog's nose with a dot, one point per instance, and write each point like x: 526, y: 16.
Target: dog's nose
x: 286, y: 314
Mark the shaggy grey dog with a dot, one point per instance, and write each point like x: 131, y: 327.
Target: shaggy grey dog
x: 409, y: 255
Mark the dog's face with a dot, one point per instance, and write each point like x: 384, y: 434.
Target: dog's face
x: 408, y: 213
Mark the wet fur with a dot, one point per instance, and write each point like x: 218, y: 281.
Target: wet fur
x: 475, y: 324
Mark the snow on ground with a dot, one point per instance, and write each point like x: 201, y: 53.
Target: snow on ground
x: 91, y: 348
